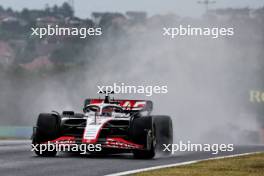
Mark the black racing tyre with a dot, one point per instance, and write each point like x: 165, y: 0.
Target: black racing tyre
x: 164, y: 132
x: 142, y: 132
x: 147, y: 154
x: 45, y: 153
x: 48, y: 128
x: 138, y: 129
x: 154, y: 132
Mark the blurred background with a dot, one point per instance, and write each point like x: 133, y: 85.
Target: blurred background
x: 216, y: 88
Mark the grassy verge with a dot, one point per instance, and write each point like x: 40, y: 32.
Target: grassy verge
x: 15, y: 132
x: 13, y: 138
x: 252, y: 165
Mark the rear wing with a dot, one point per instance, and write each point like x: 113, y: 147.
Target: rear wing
x: 127, y: 105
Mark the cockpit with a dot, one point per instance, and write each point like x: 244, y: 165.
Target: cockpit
x: 106, y: 110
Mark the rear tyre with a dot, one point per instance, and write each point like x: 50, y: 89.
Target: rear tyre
x: 164, y: 133
x: 47, y: 129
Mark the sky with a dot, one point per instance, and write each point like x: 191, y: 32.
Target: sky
x: 84, y: 8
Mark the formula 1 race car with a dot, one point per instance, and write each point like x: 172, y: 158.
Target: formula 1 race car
x: 119, y: 126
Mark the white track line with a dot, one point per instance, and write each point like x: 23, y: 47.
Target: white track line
x: 176, y: 164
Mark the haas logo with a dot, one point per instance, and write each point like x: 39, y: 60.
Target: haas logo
x: 128, y: 105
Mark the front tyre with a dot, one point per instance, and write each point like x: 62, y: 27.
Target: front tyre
x: 45, y: 153
x: 151, y: 144
x: 47, y: 129
x: 154, y: 132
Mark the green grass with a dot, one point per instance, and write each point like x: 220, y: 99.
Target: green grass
x: 13, y: 138
x: 250, y: 165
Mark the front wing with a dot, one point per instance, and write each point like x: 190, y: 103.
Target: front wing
x: 111, y: 142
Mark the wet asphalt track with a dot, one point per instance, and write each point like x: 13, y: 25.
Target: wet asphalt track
x: 17, y: 159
